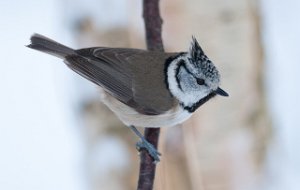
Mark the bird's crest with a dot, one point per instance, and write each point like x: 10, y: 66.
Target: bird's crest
x: 196, y: 51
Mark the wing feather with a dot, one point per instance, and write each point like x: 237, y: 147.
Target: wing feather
x: 126, y: 75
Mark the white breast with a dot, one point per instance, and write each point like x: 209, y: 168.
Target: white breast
x: 131, y: 117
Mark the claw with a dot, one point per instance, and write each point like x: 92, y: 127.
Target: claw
x: 143, y: 144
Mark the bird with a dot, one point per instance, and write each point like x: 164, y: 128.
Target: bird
x: 143, y: 88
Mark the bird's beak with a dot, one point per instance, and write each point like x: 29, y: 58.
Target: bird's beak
x: 221, y: 92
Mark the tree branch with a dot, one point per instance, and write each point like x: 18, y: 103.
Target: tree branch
x: 153, y: 27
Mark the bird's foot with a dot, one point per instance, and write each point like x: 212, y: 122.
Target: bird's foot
x: 144, y: 144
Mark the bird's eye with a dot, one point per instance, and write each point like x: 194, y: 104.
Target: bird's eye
x: 200, y: 81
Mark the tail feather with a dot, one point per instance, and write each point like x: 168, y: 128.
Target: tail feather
x: 44, y: 44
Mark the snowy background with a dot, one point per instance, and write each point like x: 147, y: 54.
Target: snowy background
x: 39, y: 142
x: 281, y: 38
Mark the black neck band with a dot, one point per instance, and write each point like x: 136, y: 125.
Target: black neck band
x: 196, y: 105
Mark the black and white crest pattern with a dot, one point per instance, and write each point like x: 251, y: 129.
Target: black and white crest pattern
x: 195, y: 50
x: 201, y: 61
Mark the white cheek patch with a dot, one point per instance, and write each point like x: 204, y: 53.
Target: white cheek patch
x: 187, y: 98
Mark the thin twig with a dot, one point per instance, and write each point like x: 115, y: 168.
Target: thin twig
x: 153, y: 26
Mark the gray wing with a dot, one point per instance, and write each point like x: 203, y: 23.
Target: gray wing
x: 135, y: 77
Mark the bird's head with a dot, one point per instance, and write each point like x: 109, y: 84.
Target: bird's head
x: 192, y: 78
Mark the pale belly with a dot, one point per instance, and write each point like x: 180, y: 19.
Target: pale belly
x: 129, y: 116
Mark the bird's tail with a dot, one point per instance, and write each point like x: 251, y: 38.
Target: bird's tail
x: 44, y: 44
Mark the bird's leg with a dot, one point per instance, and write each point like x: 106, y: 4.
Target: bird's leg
x: 144, y: 144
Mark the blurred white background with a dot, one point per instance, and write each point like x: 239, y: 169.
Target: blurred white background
x: 280, y: 32
x: 39, y: 142
x: 42, y: 134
